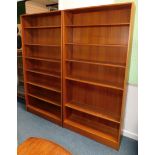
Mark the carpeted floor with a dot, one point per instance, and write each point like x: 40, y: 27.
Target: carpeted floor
x: 30, y: 125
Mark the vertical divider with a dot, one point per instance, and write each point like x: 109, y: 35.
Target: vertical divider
x: 62, y: 66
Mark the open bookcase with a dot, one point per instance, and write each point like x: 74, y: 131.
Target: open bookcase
x: 92, y: 47
x: 96, y: 52
x: 42, y: 55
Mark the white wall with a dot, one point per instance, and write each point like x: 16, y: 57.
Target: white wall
x: 131, y: 112
x: 66, y: 4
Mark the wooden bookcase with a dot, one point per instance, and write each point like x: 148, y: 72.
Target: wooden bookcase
x: 96, y: 52
x: 76, y: 68
x: 42, y: 55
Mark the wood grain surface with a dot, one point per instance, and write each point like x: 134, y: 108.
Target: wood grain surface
x: 38, y: 146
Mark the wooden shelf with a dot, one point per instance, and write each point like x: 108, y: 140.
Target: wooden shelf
x: 45, y: 87
x: 93, y: 54
x: 43, y: 73
x: 85, y: 129
x: 43, y: 112
x: 51, y: 102
x: 91, y: 112
x: 94, y: 83
x: 42, y: 27
x: 41, y: 59
x: 99, y: 25
x: 30, y: 44
x: 95, y: 69
x: 96, y: 63
x: 54, y: 73
x: 107, y: 45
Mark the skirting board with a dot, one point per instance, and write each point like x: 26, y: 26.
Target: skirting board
x: 130, y: 134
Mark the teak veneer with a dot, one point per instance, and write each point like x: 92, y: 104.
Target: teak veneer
x: 76, y: 68
x: 96, y: 56
x: 42, y: 53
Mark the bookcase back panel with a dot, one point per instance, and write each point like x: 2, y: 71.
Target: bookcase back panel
x: 103, y: 16
x: 102, y: 100
x: 92, y: 122
x: 42, y: 20
x: 96, y: 73
x: 45, y: 94
x: 43, y: 52
x: 69, y: 37
x: 44, y: 80
x: 43, y: 66
x: 44, y: 106
x: 116, y: 55
x: 43, y: 36
x: 101, y: 35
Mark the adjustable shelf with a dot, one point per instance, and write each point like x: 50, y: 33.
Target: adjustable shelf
x: 98, y: 25
x: 51, y: 115
x: 97, y: 63
x: 96, y: 53
x: 42, y: 64
x: 44, y: 94
x: 45, y: 87
x: 92, y: 126
x: 42, y: 27
x: 48, y: 45
x: 43, y: 112
x: 43, y: 73
x: 42, y: 99
x: 90, y: 44
x: 92, y: 110
x: 89, y: 131
x: 94, y: 83
x: 40, y: 59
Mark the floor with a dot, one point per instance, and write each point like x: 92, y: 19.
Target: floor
x: 30, y: 125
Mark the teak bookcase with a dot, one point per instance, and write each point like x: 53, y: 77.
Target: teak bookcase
x: 95, y: 55
x: 96, y: 49
x: 42, y: 58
